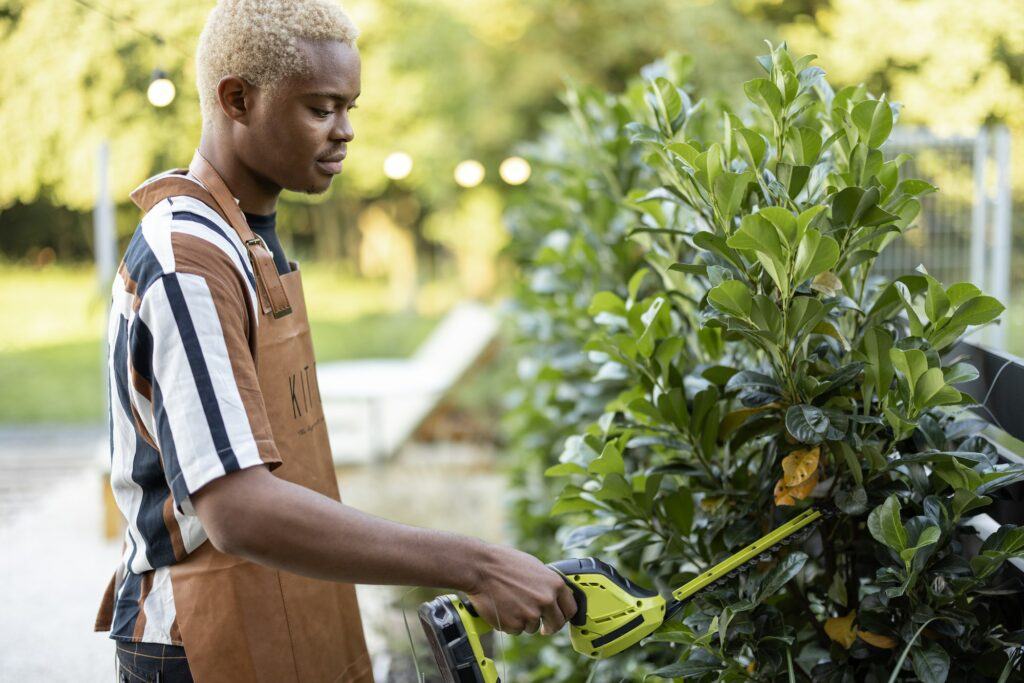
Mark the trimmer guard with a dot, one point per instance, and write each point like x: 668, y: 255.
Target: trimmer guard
x: 458, y: 654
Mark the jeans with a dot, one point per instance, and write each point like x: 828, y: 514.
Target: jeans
x: 151, y: 663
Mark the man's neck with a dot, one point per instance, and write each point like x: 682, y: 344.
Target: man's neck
x: 254, y: 193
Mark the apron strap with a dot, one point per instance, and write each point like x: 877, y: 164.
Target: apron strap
x: 273, y: 297
x: 206, y: 185
x: 173, y: 184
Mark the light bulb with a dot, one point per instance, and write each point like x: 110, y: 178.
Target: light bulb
x: 397, y: 165
x: 514, y: 170
x: 469, y: 173
x: 161, y: 90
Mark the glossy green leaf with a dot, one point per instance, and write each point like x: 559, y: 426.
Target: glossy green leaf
x: 807, y: 424
x: 732, y: 297
x: 614, y: 487
x: 764, y: 94
x: 936, y: 303
x: 931, y: 390
x: 930, y: 662
x: 753, y: 146
x: 804, y: 313
x: 873, y: 119
x: 607, y: 302
x: 680, y: 510
x: 787, y: 568
x: 885, y: 524
x: 609, y: 461
x: 729, y: 190
x: 815, y: 254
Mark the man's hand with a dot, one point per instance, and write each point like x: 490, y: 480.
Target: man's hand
x: 515, y: 591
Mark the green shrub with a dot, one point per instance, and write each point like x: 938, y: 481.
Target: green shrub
x: 753, y: 366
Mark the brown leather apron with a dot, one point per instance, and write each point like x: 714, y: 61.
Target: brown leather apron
x: 241, y: 621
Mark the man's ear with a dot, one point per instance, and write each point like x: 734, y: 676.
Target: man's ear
x: 235, y: 96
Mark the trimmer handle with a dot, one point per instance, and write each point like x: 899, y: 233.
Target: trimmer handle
x: 562, y: 567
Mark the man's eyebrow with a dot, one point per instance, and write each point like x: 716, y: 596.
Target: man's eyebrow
x: 333, y: 95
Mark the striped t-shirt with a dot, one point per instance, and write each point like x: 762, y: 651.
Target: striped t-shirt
x: 185, y: 402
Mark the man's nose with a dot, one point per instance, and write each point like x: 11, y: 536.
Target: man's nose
x: 342, y: 129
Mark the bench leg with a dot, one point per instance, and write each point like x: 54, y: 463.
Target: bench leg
x: 113, y: 520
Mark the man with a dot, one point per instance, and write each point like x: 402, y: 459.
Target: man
x: 239, y: 555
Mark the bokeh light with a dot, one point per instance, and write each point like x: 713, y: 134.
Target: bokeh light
x: 469, y: 173
x: 514, y: 170
x: 161, y: 90
x: 397, y: 165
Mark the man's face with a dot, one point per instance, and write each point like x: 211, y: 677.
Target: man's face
x: 299, y: 133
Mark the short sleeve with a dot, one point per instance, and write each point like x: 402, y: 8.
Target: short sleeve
x: 209, y: 416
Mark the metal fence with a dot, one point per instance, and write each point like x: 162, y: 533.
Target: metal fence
x: 963, y: 231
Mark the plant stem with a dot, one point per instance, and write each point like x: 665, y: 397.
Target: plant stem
x: 903, y: 657
x: 805, y: 603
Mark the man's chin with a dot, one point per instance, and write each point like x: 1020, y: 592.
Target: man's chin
x: 314, y: 186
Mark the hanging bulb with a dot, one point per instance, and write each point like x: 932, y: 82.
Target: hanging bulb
x: 398, y: 165
x: 161, y: 89
x: 514, y: 170
x: 469, y: 173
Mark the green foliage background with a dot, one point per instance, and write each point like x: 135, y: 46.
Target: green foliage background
x: 749, y: 364
x: 446, y: 80
x: 443, y: 81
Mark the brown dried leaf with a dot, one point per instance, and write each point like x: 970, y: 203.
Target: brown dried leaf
x: 841, y: 630
x: 789, y: 495
x: 827, y: 283
x: 798, y: 466
x: 879, y: 641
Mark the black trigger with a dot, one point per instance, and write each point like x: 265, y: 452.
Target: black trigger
x: 580, y: 618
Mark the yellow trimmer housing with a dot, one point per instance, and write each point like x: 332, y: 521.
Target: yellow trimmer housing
x: 612, y: 612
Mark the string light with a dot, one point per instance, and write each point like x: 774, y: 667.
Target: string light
x: 469, y: 173
x: 397, y: 165
x: 514, y: 170
x: 161, y: 89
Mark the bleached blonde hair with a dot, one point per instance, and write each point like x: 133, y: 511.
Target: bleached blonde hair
x: 258, y: 40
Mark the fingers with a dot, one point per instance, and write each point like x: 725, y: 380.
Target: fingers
x: 553, y: 618
x: 567, y: 602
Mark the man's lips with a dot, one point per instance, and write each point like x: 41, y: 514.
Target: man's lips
x: 332, y: 167
x: 331, y: 164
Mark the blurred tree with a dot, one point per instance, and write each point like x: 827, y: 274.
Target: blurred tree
x: 442, y: 80
x: 475, y: 234
x: 954, y: 65
x: 72, y: 77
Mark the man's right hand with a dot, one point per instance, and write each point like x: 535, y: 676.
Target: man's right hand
x: 515, y: 591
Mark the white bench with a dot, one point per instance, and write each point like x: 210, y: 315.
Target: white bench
x: 374, y: 406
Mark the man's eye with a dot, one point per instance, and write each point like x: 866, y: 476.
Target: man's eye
x: 322, y: 113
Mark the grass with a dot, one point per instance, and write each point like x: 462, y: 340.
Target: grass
x: 51, y: 356
x: 54, y: 383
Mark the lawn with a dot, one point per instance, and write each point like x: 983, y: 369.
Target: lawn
x: 51, y: 359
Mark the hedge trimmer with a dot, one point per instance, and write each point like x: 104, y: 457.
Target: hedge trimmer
x: 612, y: 612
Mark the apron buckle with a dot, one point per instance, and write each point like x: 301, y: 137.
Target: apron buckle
x: 277, y: 310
